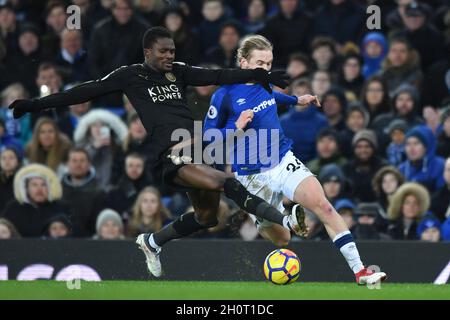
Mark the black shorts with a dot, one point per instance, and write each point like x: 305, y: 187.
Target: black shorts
x: 166, y: 170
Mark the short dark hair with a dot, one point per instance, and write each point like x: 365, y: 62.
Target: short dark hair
x: 153, y: 34
x: 79, y: 150
x: 136, y: 155
x: 323, y: 41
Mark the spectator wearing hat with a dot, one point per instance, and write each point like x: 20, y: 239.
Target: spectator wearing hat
x: 394, y: 18
x: 22, y: 66
x: 385, y: 183
x: 81, y: 192
x: 440, y: 203
x: 37, y: 193
x: 443, y: 143
x: 334, y: 105
x: 109, y: 226
x: 422, y: 35
x: 224, y: 54
x: 374, y: 49
x: 10, y: 163
x: 445, y: 230
x: 408, y: 204
x: 346, y: 208
x: 8, y: 230
x: 395, y: 151
x: 366, y: 216
x: 422, y: 165
x: 279, y: 30
x: 309, y: 118
x: 356, y: 119
x: 333, y: 182
x: 350, y: 77
x: 58, y: 227
x: 429, y: 229
x: 101, y: 133
x: 328, y: 151
x: 401, y: 65
x: 365, y: 163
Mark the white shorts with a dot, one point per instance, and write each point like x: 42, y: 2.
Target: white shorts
x: 273, y: 184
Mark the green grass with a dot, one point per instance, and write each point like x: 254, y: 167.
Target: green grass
x: 191, y: 290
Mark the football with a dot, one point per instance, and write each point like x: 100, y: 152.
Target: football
x: 282, y: 266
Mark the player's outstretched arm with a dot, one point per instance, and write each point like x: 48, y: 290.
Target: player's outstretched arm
x: 303, y: 100
x: 203, y: 77
x: 79, y: 94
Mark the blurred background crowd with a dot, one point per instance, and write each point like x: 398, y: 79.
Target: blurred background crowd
x: 380, y: 144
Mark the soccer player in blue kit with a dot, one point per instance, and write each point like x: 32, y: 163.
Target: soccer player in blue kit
x: 242, y: 108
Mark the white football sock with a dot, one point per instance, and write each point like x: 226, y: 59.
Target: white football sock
x: 349, y: 250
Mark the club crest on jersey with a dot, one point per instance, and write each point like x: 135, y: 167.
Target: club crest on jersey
x: 212, y: 112
x: 171, y: 77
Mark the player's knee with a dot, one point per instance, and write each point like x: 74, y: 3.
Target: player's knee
x: 233, y: 189
x: 324, y: 208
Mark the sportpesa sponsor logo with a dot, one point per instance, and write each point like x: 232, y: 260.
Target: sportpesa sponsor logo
x: 263, y: 105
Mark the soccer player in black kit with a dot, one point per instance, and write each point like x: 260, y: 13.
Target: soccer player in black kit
x: 156, y: 88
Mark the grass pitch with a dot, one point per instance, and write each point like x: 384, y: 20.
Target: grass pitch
x: 205, y: 290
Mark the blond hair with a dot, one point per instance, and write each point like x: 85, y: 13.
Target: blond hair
x: 58, y: 151
x: 250, y: 43
x: 156, y: 224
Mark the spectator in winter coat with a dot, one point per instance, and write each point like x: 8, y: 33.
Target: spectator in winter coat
x: 10, y: 163
x: 101, y: 133
x: 385, y: 183
x: 356, y: 119
x: 408, y: 204
x: 401, y: 66
x: 362, y: 167
x: 334, y: 105
x: 37, y: 192
x: 81, y: 192
x: 395, y: 151
x: 328, y: 151
x: 375, y: 97
x: 310, y: 119
x: 374, y: 49
x: 109, y: 226
x: 443, y: 143
x: 366, y: 215
x: 279, y: 30
x: 422, y: 164
x: 429, y: 229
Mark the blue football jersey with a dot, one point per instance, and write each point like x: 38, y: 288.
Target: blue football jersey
x: 264, y: 142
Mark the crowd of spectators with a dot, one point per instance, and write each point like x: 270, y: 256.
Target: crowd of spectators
x: 380, y: 144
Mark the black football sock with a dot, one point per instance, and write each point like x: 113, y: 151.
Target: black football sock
x: 252, y: 204
x: 185, y: 225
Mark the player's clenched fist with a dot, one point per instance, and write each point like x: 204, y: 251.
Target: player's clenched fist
x: 21, y: 107
x: 307, y: 99
x: 245, y: 117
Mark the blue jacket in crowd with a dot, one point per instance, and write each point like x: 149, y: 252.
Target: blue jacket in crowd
x: 429, y: 170
x: 303, y: 127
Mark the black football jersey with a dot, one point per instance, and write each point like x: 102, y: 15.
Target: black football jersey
x: 158, y: 97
